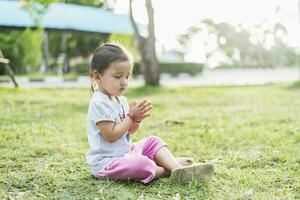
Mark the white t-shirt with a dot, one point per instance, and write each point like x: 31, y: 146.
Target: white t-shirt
x: 102, y: 152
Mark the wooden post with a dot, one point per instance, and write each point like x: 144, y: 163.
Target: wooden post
x: 65, y: 52
x: 8, y: 69
x: 45, y: 51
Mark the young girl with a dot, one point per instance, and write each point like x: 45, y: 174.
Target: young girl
x: 111, y: 121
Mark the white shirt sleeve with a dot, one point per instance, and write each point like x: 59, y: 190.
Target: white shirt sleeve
x: 101, y: 111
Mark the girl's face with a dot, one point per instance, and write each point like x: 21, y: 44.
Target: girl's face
x: 114, y: 80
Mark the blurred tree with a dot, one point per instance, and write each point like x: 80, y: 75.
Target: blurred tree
x: 127, y: 41
x: 275, y: 31
x: 185, y: 38
x: 245, y: 48
x: 23, y: 49
x: 146, y: 46
x: 36, y: 9
x: 30, y: 42
x: 105, y: 4
x: 78, y: 48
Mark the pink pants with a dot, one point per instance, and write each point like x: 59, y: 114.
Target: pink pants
x: 137, y: 164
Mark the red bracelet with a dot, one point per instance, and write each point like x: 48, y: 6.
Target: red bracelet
x: 132, y: 118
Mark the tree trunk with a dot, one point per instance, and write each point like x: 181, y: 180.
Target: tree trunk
x: 146, y: 47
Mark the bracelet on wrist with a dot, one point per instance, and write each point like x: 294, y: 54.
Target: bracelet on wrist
x: 132, y: 118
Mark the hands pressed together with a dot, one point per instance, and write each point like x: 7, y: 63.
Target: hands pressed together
x: 140, y: 110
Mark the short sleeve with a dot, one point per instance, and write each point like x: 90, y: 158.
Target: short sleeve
x: 101, y: 111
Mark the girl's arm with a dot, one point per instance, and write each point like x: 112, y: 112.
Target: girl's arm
x: 112, y: 132
x: 135, y: 126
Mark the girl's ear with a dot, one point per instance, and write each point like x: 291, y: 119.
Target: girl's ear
x: 96, y: 79
x: 96, y: 75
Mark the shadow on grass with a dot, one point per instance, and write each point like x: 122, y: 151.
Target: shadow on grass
x: 294, y: 86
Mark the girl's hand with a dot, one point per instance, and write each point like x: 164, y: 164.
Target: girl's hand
x: 146, y: 106
x: 132, y: 104
x: 140, y: 110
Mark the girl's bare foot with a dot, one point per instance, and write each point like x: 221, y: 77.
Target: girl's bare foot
x: 184, y: 161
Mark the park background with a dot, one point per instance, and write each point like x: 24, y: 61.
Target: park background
x: 248, y: 126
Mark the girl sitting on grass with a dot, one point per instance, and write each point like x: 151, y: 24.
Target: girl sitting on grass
x: 111, y: 121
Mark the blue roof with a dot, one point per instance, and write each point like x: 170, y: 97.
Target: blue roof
x: 66, y: 17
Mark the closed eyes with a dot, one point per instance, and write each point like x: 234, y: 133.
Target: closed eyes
x: 118, y: 77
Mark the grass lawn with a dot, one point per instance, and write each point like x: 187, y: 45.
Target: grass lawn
x: 251, y: 134
x: 41, y: 77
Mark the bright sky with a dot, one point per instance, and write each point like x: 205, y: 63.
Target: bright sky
x: 172, y: 17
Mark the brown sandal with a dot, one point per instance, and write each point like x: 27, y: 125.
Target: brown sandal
x: 198, y: 172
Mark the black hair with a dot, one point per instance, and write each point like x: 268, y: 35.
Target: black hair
x: 106, y: 54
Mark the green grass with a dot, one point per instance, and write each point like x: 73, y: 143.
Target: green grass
x: 251, y: 134
x: 42, y: 76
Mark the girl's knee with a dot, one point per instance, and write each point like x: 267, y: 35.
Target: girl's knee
x: 154, y: 138
x: 144, y: 167
x: 144, y: 161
